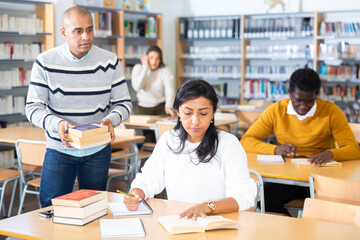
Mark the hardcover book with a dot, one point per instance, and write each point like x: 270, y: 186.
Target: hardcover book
x: 80, y: 212
x: 85, y: 146
x: 90, y: 140
x: 176, y: 225
x: 79, y: 221
x: 79, y: 198
x: 88, y: 130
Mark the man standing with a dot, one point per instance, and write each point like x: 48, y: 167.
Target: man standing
x: 71, y: 85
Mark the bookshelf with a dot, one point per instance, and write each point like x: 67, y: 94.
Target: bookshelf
x: 267, y: 49
x: 130, y: 35
x: 19, y: 46
x: 209, y: 48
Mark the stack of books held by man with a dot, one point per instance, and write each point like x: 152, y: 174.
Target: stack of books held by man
x: 79, y: 207
x: 88, y: 136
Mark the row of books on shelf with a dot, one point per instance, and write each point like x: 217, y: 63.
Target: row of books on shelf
x: 14, y: 77
x: 231, y: 71
x: 271, y: 72
x: 109, y: 47
x: 208, y: 52
x: 137, y: 5
x: 10, y: 105
x: 265, y: 89
x: 290, y: 51
x: 352, y: 114
x: 11, y: 51
x: 287, y: 27
x: 210, y: 28
x: 29, y: 25
x: 229, y: 101
x: 220, y: 89
x: 135, y: 51
x: 339, y: 73
x: 340, y: 93
x: 340, y: 28
x: 141, y: 28
x: 340, y: 50
x: 102, y: 24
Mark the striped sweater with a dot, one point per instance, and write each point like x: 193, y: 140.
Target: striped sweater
x: 80, y: 91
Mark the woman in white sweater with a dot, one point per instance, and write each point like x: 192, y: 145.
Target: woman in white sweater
x: 195, y: 162
x: 154, y: 84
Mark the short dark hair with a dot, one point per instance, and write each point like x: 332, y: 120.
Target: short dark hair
x: 305, y: 79
x: 190, y: 90
x: 155, y: 48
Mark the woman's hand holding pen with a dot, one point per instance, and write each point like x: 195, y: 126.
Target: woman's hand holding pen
x: 287, y: 150
x: 62, y: 129
x: 132, y: 202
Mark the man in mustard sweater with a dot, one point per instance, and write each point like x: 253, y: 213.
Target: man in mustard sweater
x: 303, y: 125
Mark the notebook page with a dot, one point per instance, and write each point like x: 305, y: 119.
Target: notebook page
x: 118, y: 208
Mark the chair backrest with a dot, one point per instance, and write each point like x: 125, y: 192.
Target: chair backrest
x: 330, y: 211
x: 163, y: 126
x: 260, y: 103
x: 30, y: 156
x: 247, y: 118
x: 355, y: 128
x: 334, y: 189
x: 227, y: 116
x: 260, y: 196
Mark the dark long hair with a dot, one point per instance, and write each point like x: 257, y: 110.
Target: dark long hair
x: 155, y: 48
x: 190, y: 90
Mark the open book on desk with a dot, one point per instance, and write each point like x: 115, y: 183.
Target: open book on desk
x: 118, y: 208
x: 176, y: 225
x: 306, y: 161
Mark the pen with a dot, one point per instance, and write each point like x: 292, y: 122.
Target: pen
x: 66, y: 129
x: 127, y: 194
x: 130, y: 195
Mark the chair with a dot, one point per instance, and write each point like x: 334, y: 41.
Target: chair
x: 260, y: 196
x: 227, y: 116
x: 7, y: 176
x: 334, y: 189
x: 163, y: 126
x: 123, y: 162
x: 260, y: 103
x: 329, y: 211
x: 30, y: 155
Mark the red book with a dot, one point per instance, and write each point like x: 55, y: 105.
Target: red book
x: 79, y: 198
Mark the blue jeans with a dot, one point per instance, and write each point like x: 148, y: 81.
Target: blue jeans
x: 60, y: 171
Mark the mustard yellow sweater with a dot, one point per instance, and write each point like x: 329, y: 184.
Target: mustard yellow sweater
x: 310, y: 136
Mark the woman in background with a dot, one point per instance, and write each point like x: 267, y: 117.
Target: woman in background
x: 196, y: 162
x: 154, y: 84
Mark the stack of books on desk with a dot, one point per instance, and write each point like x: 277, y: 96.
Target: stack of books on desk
x: 80, y: 207
x: 88, y: 136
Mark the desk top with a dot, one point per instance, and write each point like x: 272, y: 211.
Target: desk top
x: 350, y: 170
x: 218, y: 123
x: 10, y: 135
x: 252, y: 226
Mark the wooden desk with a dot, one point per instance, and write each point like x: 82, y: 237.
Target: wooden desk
x: 292, y: 174
x: 252, y: 226
x: 11, y: 135
x: 151, y: 126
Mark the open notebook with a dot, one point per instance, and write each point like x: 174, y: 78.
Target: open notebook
x: 305, y: 161
x: 118, y: 207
